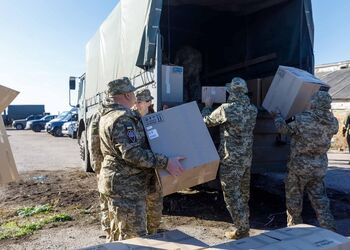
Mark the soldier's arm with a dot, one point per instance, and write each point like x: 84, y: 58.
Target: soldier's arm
x: 288, y: 127
x: 130, y: 147
x: 214, y: 118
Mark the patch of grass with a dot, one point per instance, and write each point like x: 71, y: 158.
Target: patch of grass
x: 29, y: 211
x: 14, y: 229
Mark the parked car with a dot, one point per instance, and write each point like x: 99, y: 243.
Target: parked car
x: 54, y: 127
x: 38, y: 125
x: 70, y: 129
x: 21, y: 124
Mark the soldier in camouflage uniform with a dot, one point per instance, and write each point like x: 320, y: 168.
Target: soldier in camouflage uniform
x: 237, y: 120
x: 191, y: 60
x: 154, y: 199
x: 311, y: 132
x: 127, y: 163
x: 96, y: 159
x: 144, y: 102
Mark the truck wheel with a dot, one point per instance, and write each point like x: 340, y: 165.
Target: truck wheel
x: 84, y: 154
x: 19, y: 126
x: 36, y: 128
x: 57, y: 132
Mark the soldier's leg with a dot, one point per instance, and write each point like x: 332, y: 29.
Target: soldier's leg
x: 105, y: 221
x: 317, y: 194
x: 245, y: 187
x: 154, y: 203
x: 294, y: 198
x: 231, y: 182
x: 128, y: 218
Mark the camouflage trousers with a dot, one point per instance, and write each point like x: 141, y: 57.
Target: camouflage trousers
x: 235, y: 183
x: 134, y: 218
x: 295, y: 185
x: 105, y: 221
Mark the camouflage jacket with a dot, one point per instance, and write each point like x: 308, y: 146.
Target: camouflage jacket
x: 127, y: 157
x: 311, y: 132
x: 237, y: 120
x: 96, y: 157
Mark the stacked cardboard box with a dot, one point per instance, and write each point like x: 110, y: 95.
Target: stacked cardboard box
x: 218, y: 94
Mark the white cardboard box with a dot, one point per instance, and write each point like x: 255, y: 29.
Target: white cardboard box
x: 217, y: 93
x: 168, y: 240
x: 172, y: 84
x: 8, y: 170
x: 180, y: 131
x: 291, y: 91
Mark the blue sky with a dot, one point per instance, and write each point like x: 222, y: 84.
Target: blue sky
x: 42, y: 43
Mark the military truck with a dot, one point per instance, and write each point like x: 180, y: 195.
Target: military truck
x: 245, y: 38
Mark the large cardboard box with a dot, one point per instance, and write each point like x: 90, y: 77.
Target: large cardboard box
x: 291, y: 91
x: 168, y: 240
x: 180, y: 131
x: 255, y: 242
x: 218, y: 94
x: 291, y: 238
x: 172, y: 84
x: 8, y: 170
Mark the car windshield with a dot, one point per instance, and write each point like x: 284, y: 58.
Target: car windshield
x: 67, y: 117
x: 62, y: 115
x: 44, y: 118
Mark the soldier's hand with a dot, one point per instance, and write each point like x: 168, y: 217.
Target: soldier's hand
x: 275, y: 113
x: 174, y: 166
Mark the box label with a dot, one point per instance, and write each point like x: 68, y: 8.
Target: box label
x: 153, y: 119
x: 152, y: 134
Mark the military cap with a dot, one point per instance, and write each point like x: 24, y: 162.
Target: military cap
x: 120, y: 86
x: 237, y: 85
x: 144, y: 95
x: 321, y: 100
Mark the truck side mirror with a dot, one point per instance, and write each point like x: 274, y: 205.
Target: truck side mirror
x: 72, y: 83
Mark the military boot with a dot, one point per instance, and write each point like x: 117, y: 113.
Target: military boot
x: 237, y: 234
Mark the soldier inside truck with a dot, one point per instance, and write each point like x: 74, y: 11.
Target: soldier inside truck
x: 215, y: 41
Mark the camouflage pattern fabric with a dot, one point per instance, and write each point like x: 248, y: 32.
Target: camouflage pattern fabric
x: 120, y: 86
x: 127, y: 163
x: 237, y: 120
x: 191, y: 60
x: 311, y: 132
x: 96, y: 159
x: 154, y: 204
x: 144, y: 95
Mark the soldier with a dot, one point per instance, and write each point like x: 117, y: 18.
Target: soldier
x: 311, y: 132
x: 96, y: 159
x: 191, y: 60
x: 154, y: 199
x: 144, y: 102
x: 127, y: 163
x: 237, y: 120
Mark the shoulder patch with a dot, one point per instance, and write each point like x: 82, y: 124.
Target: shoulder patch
x: 130, y: 132
x: 292, y: 119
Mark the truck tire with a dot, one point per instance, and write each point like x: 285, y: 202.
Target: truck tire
x: 84, y: 153
x: 19, y: 126
x: 36, y: 128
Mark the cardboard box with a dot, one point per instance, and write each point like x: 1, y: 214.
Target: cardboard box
x: 217, y: 93
x: 8, y: 170
x: 307, y: 237
x: 291, y: 91
x: 168, y: 240
x: 172, y: 84
x: 291, y: 238
x: 255, y: 242
x: 180, y: 131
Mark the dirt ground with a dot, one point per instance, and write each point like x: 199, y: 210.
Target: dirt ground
x: 198, y: 213
x: 48, y: 177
